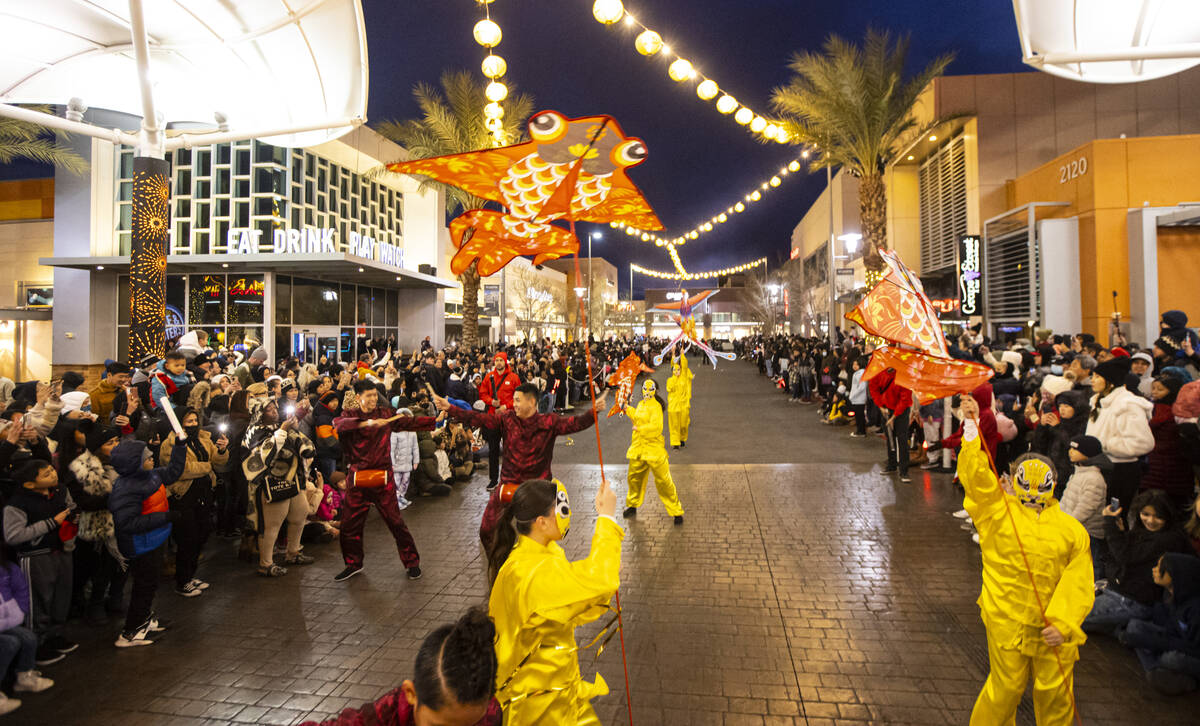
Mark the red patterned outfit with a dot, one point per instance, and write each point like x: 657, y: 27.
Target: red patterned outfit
x: 393, y: 709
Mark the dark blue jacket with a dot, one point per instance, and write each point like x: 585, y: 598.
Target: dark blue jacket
x: 138, y: 532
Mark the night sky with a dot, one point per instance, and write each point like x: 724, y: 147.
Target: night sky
x: 699, y: 162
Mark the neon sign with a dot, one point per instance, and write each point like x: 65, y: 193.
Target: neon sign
x: 946, y: 305
x: 970, y: 274
x: 242, y: 287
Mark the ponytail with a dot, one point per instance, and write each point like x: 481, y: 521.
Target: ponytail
x: 457, y: 663
x: 533, y: 499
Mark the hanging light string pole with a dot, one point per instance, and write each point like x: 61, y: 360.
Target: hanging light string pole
x: 488, y: 34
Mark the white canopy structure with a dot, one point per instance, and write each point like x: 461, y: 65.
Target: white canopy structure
x: 290, y: 72
x: 1109, y: 41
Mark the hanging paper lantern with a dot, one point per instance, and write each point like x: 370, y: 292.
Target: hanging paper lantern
x: 707, y: 89
x: 496, y: 91
x: 493, y: 110
x: 608, y: 11
x: 648, y: 42
x: 743, y: 116
x: 758, y: 124
x: 494, y: 66
x: 726, y: 104
x: 794, y: 165
x: 680, y: 70
x: 487, y: 33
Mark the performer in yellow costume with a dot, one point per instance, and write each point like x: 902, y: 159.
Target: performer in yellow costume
x: 539, y: 598
x: 648, y: 455
x: 1056, y: 551
x: 679, y: 401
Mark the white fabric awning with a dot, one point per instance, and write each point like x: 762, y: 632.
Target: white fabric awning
x: 1109, y: 41
x: 260, y: 64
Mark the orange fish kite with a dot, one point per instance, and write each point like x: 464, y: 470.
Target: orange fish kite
x: 570, y: 169
x: 624, y: 379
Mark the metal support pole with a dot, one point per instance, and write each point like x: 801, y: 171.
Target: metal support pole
x: 829, y: 279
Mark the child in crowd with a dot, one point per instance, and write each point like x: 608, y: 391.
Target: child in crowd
x: 442, y: 456
x: 39, y: 525
x: 1083, y: 498
x: 1168, y: 643
x: 18, y: 644
x: 406, y: 456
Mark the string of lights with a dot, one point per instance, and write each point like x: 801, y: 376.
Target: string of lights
x: 698, y: 275
x: 738, y: 207
x: 649, y: 43
x: 488, y: 34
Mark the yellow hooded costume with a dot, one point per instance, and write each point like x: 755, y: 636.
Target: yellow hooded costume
x: 648, y: 454
x: 1059, y: 555
x: 679, y: 400
x: 537, y: 601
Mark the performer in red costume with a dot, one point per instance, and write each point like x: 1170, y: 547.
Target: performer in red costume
x: 365, y: 436
x: 496, y: 390
x: 528, y: 442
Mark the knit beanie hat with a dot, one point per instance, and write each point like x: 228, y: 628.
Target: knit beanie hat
x: 1055, y: 385
x: 1113, y: 370
x: 100, y: 435
x: 1119, y: 352
x: 259, y: 354
x: 1143, y: 356
x: 1011, y: 356
x: 1175, y: 319
x: 72, y: 380
x: 1187, y: 402
x: 1089, y: 446
x: 1167, y: 346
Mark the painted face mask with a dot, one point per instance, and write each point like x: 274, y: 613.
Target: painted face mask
x: 674, y: 370
x: 1033, y: 481
x: 649, y: 388
x: 562, y: 508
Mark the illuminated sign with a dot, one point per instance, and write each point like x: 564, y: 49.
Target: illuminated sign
x: 946, y: 305
x: 241, y: 287
x: 970, y: 274
x: 677, y: 296
x: 310, y: 240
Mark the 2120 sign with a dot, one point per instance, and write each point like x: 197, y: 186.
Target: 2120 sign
x: 970, y: 274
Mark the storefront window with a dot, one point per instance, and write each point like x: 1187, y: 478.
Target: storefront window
x: 283, y: 299
x: 363, y: 313
x: 243, y: 339
x: 283, y: 341
x: 314, y: 302
x: 392, y: 314
x: 245, y: 299
x: 378, y: 305
x: 206, y: 300
x: 348, y: 305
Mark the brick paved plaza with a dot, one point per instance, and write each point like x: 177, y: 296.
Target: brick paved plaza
x: 804, y: 588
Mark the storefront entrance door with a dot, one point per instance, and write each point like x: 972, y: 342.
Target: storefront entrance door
x: 312, y: 344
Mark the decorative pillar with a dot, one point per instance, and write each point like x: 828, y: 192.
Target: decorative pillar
x: 148, y: 257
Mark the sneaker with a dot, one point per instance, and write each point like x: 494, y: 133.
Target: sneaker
x: 675, y: 447
x: 891, y: 470
x: 629, y: 512
x: 272, y: 570
x: 492, y: 485
x: 1164, y: 680
x: 157, y: 624
x: 414, y: 573
x: 930, y: 465
x: 61, y: 644
x: 962, y: 514
x: 31, y: 682
x: 347, y: 573
x: 8, y: 705
x: 975, y: 538
x: 678, y: 519
x: 299, y: 559
x: 856, y: 435
x: 200, y: 584
x: 133, y: 640
x: 46, y: 656
x: 189, y: 590
x: 905, y: 479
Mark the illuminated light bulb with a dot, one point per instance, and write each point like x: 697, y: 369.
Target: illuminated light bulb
x: 771, y: 131
x: 707, y: 89
x: 933, y: 138
x: 487, y: 33
x: 493, y: 110
x: 794, y: 166
x: 764, y: 185
x: 783, y: 171
x: 496, y: 91
x: 629, y: 19
x: 648, y: 42
x: 680, y: 70
x: 645, y: 236
x: 693, y: 234
x: 658, y: 243
x: 494, y: 125
x: 739, y: 207
x: 804, y: 153
x: 726, y: 104
x: 494, y: 66
x: 911, y: 157
x: 708, y: 226
x: 758, y: 124
x: 630, y: 231
x: 667, y: 50
x: 722, y: 217
x: 743, y: 116
x: 608, y: 11
x: 782, y: 135
x: 755, y: 196
x: 614, y: 225
x: 776, y: 181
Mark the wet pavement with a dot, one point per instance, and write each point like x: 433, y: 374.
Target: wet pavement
x: 805, y: 587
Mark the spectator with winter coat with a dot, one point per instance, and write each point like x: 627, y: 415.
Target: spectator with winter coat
x: 1121, y: 420
x: 406, y: 457
x: 191, y: 496
x: 18, y: 644
x: 97, y: 557
x: 276, y: 467
x: 1168, y: 643
x: 1174, y: 327
x: 1169, y: 470
x: 170, y: 379
x: 1141, y: 364
x: 1084, y: 495
x: 1064, y: 417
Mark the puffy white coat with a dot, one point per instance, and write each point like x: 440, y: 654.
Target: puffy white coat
x: 1083, y: 498
x: 405, y: 453
x: 1123, y: 425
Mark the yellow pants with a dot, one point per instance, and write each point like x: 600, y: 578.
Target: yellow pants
x: 1001, y: 694
x: 678, y: 422
x: 638, y: 469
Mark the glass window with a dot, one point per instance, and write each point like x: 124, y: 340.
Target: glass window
x: 125, y: 223
x: 183, y: 182
x: 346, y: 345
x: 314, y: 302
x: 362, y: 314
x: 244, y: 294
x: 241, y: 214
x: 241, y: 188
x: 243, y: 162
x: 243, y: 339
x: 203, y: 214
x: 203, y: 160
x: 206, y: 300
x: 203, y: 189
x: 391, y: 316
x: 223, y: 206
x: 223, y: 153
x: 378, y: 305
x: 348, y: 305
x: 283, y: 341
x: 126, y: 165
x: 183, y: 157
x: 222, y: 181
x: 283, y: 300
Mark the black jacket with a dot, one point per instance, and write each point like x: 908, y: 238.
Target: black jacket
x: 1135, y: 553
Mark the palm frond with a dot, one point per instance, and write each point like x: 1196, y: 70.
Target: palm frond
x: 26, y: 140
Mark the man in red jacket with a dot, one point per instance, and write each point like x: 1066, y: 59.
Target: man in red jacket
x: 897, y: 402
x: 496, y: 390
x: 528, y: 441
x: 365, y: 434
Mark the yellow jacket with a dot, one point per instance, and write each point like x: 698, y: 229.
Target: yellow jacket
x: 679, y: 388
x: 538, y: 600
x: 1056, y: 545
x: 647, y: 443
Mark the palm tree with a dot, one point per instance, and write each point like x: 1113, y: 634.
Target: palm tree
x: 452, y: 122
x: 25, y: 140
x: 855, y: 107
